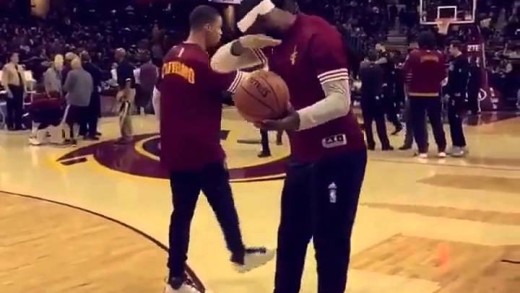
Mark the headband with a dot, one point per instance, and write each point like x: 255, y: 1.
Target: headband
x: 262, y: 8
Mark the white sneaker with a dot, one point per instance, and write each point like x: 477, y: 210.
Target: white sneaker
x: 423, y: 156
x: 458, y: 152
x: 441, y: 155
x: 254, y: 258
x: 184, y: 288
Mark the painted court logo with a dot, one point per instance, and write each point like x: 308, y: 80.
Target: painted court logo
x: 141, y: 158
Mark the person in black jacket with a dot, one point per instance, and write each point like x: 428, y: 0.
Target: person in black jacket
x: 89, y: 128
x: 456, y: 95
x: 372, y: 105
x: 474, y: 85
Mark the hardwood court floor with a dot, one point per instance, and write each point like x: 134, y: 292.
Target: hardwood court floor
x: 444, y: 226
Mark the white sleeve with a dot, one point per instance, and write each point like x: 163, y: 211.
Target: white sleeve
x: 223, y: 61
x: 335, y: 104
x: 156, y: 102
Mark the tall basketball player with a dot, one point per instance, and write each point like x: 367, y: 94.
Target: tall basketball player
x: 190, y: 112
x: 328, y: 152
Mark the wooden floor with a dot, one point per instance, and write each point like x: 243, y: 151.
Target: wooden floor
x: 95, y: 218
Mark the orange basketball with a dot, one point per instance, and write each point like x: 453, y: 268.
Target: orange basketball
x: 262, y: 95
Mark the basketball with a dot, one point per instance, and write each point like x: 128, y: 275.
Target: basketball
x: 262, y: 95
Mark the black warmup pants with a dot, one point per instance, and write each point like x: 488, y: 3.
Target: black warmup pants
x: 390, y: 105
x: 14, y: 107
x: 264, y: 140
x: 213, y: 181
x: 419, y: 108
x: 473, y: 102
x: 373, y: 110
x: 455, y: 115
x: 319, y: 201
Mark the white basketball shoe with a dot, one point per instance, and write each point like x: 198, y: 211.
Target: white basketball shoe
x: 181, y: 286
x: 254, y: 257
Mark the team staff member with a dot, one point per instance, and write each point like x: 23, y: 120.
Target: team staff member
x: 424, y: 72
x: 89, y: 128
x: 456, y: 95
x: 13, y: 81
x: 389, y: 84
x: 474, y: 85
x: 126, y: 95
x: 372, y: 78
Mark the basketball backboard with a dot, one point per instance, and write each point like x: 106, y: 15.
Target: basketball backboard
x: 461, y: 11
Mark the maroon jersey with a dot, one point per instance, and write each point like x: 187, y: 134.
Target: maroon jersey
x: 191, y: 108
x: 424, y: 72
x: 313, y: 53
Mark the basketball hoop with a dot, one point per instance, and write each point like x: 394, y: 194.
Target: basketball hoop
x: 443, y: 24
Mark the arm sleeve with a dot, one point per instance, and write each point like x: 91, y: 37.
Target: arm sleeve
x: 330, y: 64
x: 224, y: 61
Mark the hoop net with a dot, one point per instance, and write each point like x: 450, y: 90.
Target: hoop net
x: 443, y: 24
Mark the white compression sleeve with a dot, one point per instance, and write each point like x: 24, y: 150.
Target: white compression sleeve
x: 223, y: 61
x: 335, y: 104
x: 156, y: 102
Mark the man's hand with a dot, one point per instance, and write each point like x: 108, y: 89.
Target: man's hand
x: 291, y: 122
x: 258, y: 41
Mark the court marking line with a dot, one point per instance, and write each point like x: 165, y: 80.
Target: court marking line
x: 141, y: 233
x: 139, y: 148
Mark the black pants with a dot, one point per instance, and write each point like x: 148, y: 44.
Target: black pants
x: 213, y: 180
x: 373, y: 110
x: 473, y: 102
x: 90, y: 123
x: 390, y: 105
x: 14, y: 107
x: 75, y: 115
x: 264, y: 140
x: 319, y: 201
x: 408, y: 137
x: 455, y: 115
x: 419, y: 108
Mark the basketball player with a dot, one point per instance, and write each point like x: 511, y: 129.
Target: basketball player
x: 190, y: 109
x: 424, y: 70
x: 328, y: 152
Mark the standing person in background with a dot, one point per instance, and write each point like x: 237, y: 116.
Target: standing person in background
x: 125, y: 95
x: 474, y: 85
x: 424, y: 72
x: 264, y: 141
x: 13, y: 81
x: 389, y: 98
x: 90, y: 125
x: 148, y: 75
x: 456, y: 95
x: 408, y: 136
x: 52, y: 78
x: 372, y: 78
x: 79, y: 87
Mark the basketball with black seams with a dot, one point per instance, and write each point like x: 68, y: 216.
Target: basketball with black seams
x: 262, y: 95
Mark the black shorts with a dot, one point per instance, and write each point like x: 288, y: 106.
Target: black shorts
x: 75, y: 114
